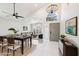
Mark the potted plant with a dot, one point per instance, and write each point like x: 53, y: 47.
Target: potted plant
x: 13, y: 29
x: 62, y: 36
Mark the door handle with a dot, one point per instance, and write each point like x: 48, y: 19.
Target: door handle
x: 50, y: 32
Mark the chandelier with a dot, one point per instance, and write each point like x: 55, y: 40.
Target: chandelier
x: 52, y: 8
x: 51, y: 12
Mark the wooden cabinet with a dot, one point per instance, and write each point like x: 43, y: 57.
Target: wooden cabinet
x: 68, y: 49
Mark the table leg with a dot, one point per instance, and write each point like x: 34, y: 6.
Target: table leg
x: 22, y: 47
x: 30, y: 42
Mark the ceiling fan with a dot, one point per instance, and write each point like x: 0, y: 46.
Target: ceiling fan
x: 15, y: 13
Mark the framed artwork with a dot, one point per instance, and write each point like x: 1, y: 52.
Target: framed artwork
x: 25, y: 28
x: 71, y: 26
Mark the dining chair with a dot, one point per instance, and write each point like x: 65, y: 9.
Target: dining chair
x: 12, y: 45
x: 3, y: 43
x: 27, y: 42
x: 30, y: 34
x: 17, y: 41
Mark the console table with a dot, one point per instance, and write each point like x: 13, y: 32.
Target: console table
x: 67, y: 48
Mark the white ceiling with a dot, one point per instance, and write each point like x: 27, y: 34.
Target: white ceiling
x: 24, y: 9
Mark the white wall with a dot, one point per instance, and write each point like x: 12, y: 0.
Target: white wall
x: 68, y: 11
x: 5, y: 24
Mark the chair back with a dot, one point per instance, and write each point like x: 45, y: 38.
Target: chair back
x: 1, y: 39
x: 10, y: 41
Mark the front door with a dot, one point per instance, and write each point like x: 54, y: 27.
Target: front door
x: 54, y: 29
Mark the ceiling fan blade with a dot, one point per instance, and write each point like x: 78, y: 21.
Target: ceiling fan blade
x: 16, y: 17
x: 2, y: 11
x: 20, y: 16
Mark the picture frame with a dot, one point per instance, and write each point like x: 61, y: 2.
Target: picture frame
x: 71, y: 26
x: 25, y: 28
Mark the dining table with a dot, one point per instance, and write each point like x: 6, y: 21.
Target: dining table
x: 21, y: 38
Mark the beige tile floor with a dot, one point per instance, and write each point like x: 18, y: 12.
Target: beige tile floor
x: 44, y: 48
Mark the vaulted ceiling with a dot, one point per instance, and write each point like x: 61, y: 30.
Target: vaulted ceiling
x: 24, y: 9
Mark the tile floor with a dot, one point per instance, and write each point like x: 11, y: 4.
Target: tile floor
x: 44, y: 48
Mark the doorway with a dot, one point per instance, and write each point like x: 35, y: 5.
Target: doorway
x: 54, y: 30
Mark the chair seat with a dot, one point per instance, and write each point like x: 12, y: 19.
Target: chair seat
x: 4, y: 44
x: 15, y: 47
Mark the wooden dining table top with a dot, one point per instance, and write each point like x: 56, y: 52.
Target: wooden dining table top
x: 16, y: 36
